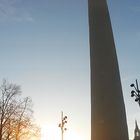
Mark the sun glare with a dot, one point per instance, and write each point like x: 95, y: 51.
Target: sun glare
x: 52, y: 132
x: 49, y: 132
x: 71, y: 136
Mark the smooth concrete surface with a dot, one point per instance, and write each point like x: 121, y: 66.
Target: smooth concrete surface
x: 108, y: 116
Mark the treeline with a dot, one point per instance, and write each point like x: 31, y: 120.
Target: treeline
x: 16, y: 114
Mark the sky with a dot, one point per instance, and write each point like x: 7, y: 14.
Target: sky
x: 44, y: 47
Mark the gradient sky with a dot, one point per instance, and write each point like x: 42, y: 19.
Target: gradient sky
x: 45, y: 49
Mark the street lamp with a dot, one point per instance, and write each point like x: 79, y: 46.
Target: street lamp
x: 62, y: 124
x: 136, y: 92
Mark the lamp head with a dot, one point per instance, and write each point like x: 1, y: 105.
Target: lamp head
x: 132, y: 94
x: 138, y: 91
x: 132, y: 85
x: 65, y: 117
x: 136, y: 99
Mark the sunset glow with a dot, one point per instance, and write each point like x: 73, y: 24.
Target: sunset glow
x: 49, y: 132
x: 54, y: 133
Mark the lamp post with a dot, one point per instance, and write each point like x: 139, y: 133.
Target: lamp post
x: 136, y: 92
x: 62, y: 124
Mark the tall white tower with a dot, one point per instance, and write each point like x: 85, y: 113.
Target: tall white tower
x: 108, y: 117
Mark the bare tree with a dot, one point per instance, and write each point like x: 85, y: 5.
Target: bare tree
x: 16, y: 114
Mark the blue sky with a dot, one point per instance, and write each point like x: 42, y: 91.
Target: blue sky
x: 45, y: 49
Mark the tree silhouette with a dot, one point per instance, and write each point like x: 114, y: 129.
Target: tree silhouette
x: 16, y: 114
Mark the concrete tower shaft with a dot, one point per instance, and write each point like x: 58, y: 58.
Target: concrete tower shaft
x: 108, y: 117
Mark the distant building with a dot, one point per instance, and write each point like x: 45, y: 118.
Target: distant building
x: 136, y: 132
